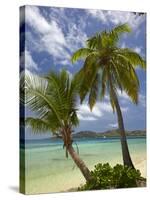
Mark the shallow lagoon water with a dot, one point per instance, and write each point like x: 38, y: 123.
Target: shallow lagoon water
x: 48, y: 170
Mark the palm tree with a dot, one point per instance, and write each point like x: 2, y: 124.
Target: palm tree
x: 53, y: 99
x: 108, y: 68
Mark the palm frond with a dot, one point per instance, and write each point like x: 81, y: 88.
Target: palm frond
x: 94, y: 42
x: 38, y: 125
x: 110, y: 38
x: 37, y: 97
x: 93, y: 96
x: 120, y: 29
x: 134, y: 58
x: 103, y: 82
x: 74, y: 119
x: 112, y: 102
x: 88, y: 73
x: 53, y: 99
x: 81, y: 54
x: 103, y: 56
x: 129, y: 82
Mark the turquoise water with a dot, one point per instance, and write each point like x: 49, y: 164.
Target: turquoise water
x: 48, y: 170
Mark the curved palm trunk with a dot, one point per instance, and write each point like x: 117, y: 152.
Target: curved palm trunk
x: 125, y: 151
x: 67, y: 138
x: 79, y: 162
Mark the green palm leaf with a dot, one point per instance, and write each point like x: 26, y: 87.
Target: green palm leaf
x: 93, y: 96
x: 52, y: 98
x: 106, y: 69
x: 37, y: 125
x: 103, y: 56
x: 81, y: 54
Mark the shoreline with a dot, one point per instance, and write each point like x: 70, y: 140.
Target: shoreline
x: 58, y: 174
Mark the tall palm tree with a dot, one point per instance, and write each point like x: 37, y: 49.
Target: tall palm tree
x: 53, y: 100
x: 108, y: 68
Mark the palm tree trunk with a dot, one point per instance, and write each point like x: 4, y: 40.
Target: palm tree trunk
x: 83, y: 168
x: 125, y: 150
x: 67, y: 138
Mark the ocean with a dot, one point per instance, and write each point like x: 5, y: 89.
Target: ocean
x: 48, y: 170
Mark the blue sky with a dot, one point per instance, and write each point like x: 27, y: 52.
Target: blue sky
x: 53, y: 34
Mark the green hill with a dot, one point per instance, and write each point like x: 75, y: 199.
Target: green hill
x: 109, y: 133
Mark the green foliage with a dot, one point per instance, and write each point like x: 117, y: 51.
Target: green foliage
x: 83, y: 52
x: 107, y: 177
x: 104, y: 60
x: 52, y: 98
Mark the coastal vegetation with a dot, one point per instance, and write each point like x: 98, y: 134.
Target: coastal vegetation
x: 108, y: 68
x: 107, y: 177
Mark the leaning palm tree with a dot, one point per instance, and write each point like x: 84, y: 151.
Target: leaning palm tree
x: 108, y: 68
x: 53, y: 100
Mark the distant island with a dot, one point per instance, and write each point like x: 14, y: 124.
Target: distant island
x: 106, y: 134
x: 93, y: 135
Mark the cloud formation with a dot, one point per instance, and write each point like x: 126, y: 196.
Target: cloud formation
x: 113, y: 125
x: 117, y: 17
x: 99, y: 110
x: 50, y: 37
x: 53, y: 34
x: 27, y: 61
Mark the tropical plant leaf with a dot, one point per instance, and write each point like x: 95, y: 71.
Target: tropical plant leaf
x: 37, y: 125
x: 93, y: 96
x: 53, y: 99
x: 81, y: 54
x: 106, y: 57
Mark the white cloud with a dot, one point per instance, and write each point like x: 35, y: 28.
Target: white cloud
x: 35, y: 20
x: 125, y: 99
x: 117, y: 17
x: 63, y: 61
x: 75, y: 25
x: 75, y: 37
x: 106, y: 107
x: 99, y: 14
x: 50, y: 36
x: 100, y: 108
x: 27, y: 61
x: 124, y: 109
x: 84, y: 112
x: 115, y: 125
x: 123, y: 95
x: 137, y: 50
x: 86, y: 118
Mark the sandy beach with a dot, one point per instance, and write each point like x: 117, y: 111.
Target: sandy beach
x: 141, y: 165
x: 48, y: 170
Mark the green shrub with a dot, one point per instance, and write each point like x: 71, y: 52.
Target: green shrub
x: 105, y: 177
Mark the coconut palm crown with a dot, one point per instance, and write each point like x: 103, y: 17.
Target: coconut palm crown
x: 108, y: 68
x: 53, y: 99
